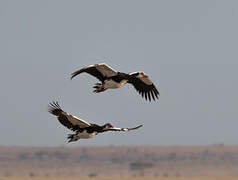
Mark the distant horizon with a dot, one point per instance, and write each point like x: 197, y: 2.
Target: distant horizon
x: 119, y: 162
x: 98, y: 146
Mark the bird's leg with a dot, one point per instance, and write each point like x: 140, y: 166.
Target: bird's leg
x: 72, y: 138
x: 99, y: 88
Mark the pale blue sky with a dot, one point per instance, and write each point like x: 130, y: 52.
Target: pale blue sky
x: 187, y: 47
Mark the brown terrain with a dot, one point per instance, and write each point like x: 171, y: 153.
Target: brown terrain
x: 119, y: 162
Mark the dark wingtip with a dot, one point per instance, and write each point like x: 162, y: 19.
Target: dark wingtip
x: 153, y: 95
x: 139, y: 126
x: 72, y: 76
x: 54, y: 108
x: 145, y: 96
x: 77, y: 73
x: 149, y: 96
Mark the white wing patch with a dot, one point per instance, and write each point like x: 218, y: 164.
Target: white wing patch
x: 146, y: 80
x: 106, y: 70
x: 115, y: 128
x: 76, y: 121
x: 118, y: 129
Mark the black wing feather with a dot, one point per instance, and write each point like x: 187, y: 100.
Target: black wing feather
x: 144, y: 89
x: 137, y: 127
x: 55, y: 109
x: 90, y: 70
x: 153, y: 96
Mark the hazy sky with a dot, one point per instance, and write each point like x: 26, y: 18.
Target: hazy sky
x: 187, y: 47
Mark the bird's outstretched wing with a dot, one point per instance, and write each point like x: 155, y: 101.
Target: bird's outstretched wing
x: 100, y: 71
x: 123, y: 129
x: 145, y: 87
x: 69, y: 121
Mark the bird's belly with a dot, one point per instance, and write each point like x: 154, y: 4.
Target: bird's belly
x: 110, y: 84
x: 86, y: 135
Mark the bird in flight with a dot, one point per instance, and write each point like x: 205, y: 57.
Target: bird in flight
x: 112, y: 79
x: 82, y: 129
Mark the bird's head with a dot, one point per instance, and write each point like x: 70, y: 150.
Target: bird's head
x: 143, y: 75
x: 139, y: 75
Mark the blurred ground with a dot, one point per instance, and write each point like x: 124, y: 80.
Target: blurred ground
x: 171, y: 178
x: 119, y: 162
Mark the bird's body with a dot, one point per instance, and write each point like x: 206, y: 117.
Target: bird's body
x: 112, y: 79
x: 81, y: 135
x: 114, y: 82
x: 82, y: 129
